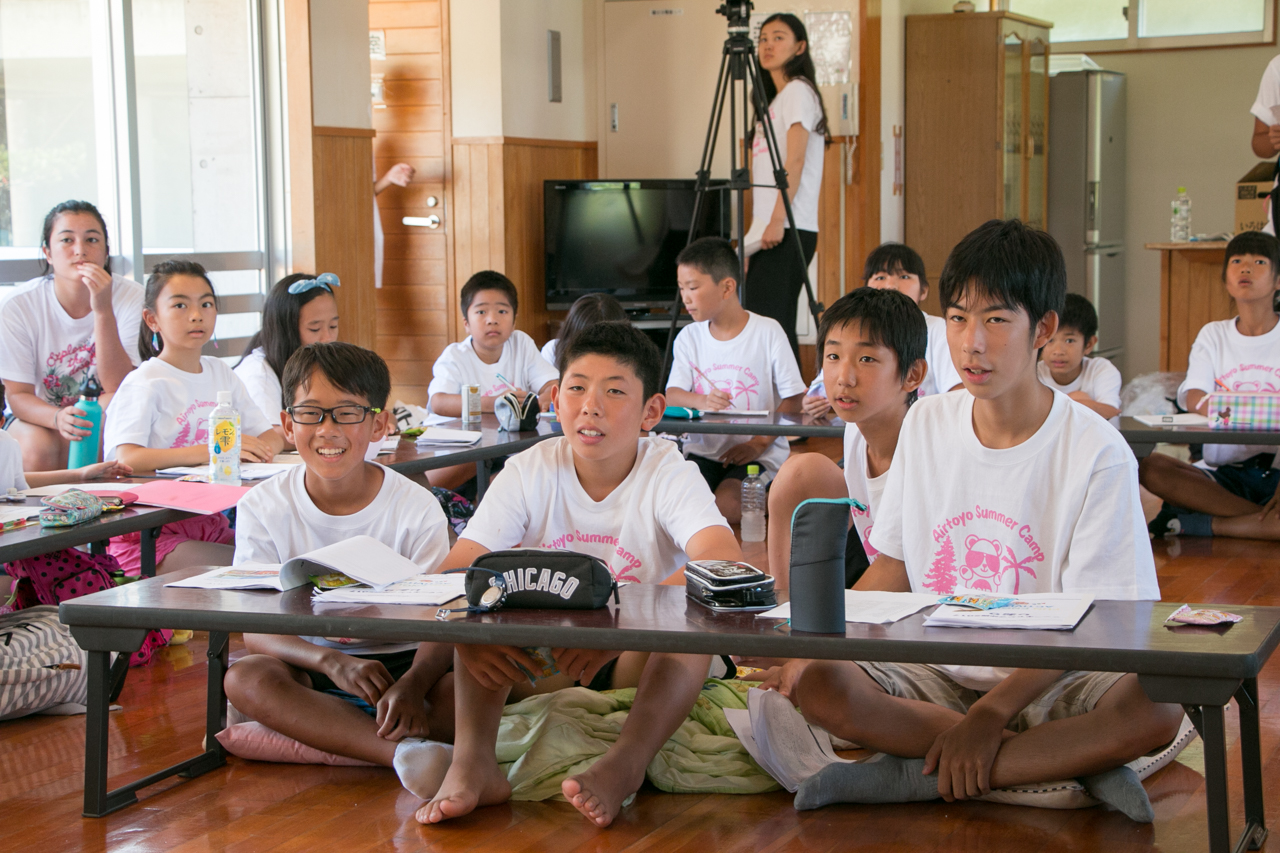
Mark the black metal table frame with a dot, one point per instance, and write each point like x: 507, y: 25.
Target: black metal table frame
x: 1204, y: 697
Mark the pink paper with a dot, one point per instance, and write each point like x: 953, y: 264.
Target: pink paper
x: 203, y: 498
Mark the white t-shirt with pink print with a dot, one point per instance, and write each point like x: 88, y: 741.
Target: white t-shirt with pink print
x: 756, y: 368
x: 863, y: 489
x: 1241, y: 363
x: 520, y: 363
x: 640, y: 530
x: 159, y: 406
x: 1058, y: 513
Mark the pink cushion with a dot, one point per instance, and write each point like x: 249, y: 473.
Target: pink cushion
x: 256, y: 741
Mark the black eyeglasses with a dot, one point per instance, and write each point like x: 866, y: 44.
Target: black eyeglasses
x: 311, y: 415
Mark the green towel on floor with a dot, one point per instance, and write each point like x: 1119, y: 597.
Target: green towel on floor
x: 545, y: 739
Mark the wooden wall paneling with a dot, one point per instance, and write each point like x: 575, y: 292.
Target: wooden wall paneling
x: 414, y: 318
x: 863, y: 232
x: 343, y: 230
x: 297, y: 46
x: 1166, y: 317
x: 827, y: 287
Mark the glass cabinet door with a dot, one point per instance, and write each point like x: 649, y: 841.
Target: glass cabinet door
x: 1037, y: 139
x: 1013, y: 130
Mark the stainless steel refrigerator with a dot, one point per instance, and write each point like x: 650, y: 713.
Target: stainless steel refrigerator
x: 1086, y: 193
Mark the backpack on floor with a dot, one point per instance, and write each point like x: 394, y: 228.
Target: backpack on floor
x: 53, y: 578
x: 41, y: 666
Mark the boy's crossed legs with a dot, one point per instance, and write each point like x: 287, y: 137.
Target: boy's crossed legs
x: 669, y: 685
x: 1107, y: 731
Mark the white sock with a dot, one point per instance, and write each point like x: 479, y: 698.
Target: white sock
x: 421, y: 765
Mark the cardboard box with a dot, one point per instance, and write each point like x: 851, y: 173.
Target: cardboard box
x: 1253, y: 196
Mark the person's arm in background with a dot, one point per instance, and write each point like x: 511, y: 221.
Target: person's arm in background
x: 400, y: 175
x: 797, y: 144
x: 1266, y: 139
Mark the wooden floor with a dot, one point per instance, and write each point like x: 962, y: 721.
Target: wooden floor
x: 248, y: 806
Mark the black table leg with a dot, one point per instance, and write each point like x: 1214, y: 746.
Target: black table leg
x: 215, y: 709
x: 97, y: 802
x: 1140, y: 450
x: 1255, y: 824
x: 482, y: 478
x: 148, y: 545
x: 1208, y: 720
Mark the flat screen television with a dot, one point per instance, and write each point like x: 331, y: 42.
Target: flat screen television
x: 622, y: 238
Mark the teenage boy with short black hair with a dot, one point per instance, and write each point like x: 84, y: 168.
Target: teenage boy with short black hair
x: 729, y: 358
x: 1065, y: 364
x: 1011, y: 448
x: 369, y: 700
x: 647, y: 512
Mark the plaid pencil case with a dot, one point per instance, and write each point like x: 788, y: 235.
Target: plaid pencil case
x: 1244, y: 410
x: 71, y: 507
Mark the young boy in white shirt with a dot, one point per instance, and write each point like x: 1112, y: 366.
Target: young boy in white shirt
x: 602, y: 490
x: 897, y: 266
x: 729, y: 358
x: 1009, y: 488
x: 369, y: 700
x: 1065, y: 364
x: 1223, y: 494
x: 873, y: 360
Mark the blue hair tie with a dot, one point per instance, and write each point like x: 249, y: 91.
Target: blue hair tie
x: 326, y: 280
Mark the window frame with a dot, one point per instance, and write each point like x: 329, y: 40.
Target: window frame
x: 1134, y: 43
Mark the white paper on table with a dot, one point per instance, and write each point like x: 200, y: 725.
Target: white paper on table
x: 18, y: 513
x: 243, y: 576
x: 423, y: 589
x: 440, y: 435
x: 389, y: 444
x: 360, y: 558
x: 248, y: 470
x: 289, y: 457
x: 869, y: 607
x: 1045, y: 611
x: 741, y: 413
x: 59, y: 488
x: 1186, y: 419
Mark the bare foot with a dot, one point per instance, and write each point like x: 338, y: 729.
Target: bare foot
x: 600, y: 791
x: 467, y: 786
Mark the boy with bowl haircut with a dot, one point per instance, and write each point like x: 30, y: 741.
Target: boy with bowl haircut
x: 729, y: 358
x: 362, y: 699
x: 601, y: 489
x: 1011, y: 448
x: 494, y: 355
x: 1065, y: 364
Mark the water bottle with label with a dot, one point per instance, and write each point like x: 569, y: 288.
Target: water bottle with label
x: 1180, y: 221
x: 753, y: 506
x: 224, y: 442
x: 84, y: 451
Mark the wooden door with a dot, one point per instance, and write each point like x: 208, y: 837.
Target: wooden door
x: 415, y: 304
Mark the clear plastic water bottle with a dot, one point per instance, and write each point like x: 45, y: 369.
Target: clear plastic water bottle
x: 753, y: 504
x: 1180, y: 222
x: 224, y: 442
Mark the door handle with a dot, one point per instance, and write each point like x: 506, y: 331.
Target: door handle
x: 431, y: 221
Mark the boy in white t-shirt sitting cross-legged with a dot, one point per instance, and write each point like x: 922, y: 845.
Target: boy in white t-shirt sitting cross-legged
x: 370, y: 700
x: 603, y: 490
x: 729, y: 358
x: 1009, y: 488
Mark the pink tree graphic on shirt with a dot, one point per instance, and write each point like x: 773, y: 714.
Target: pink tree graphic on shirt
x: 942, y: 573
x: 1018, y: 566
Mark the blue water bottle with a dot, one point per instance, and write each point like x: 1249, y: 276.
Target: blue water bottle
x: 84, y: 451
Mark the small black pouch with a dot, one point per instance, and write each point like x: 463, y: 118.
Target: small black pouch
x: 542, y: 579
x: 724, y: 585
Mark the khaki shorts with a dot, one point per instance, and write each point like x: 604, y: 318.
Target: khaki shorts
x: 1073, y: 694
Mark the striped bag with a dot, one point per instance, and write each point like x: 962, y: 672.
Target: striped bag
x: 40, y: 664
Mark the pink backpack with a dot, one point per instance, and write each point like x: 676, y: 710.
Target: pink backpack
x: 69, y: 573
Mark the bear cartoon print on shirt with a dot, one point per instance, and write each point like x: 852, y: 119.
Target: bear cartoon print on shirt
x: 982, y: 549
x: 1252, y: 378
x: 193, y: 424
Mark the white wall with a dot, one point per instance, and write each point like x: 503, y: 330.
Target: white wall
x: 499, y: 74
x: 340, y: 71
x: 475, y: 51
x: 1188, y: 125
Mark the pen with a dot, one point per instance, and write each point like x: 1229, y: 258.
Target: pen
x: 706, y: 378
x: 1218, y: 382
x: 506, y: 381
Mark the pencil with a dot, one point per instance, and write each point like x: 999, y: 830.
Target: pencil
x: 1218, y: 382
x: 506, y: 381
x: 706, y: 378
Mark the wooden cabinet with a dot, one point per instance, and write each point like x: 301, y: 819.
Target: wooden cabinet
x: 1191, y: 294
x: 977, y: 121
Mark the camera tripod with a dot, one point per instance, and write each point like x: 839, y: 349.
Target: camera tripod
x: 739, y: 84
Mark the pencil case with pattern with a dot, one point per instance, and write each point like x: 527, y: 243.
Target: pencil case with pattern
x: 71, y: 507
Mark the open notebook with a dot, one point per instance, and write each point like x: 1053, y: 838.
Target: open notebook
x: 360, y: 558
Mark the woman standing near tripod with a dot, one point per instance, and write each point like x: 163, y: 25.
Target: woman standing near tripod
x: 775, y: 274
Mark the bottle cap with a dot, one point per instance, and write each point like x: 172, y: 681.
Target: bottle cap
x: 92, y: 390
x: 1182, y: 189
x: 224, y: 397
x: 753, y: 470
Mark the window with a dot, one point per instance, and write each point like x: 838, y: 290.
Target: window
x: 163, y: 131
x: 1097, y: 26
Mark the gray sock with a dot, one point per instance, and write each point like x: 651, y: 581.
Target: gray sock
x: 1195, y: 523
x: 881, y: 779
x: 1121, y: 789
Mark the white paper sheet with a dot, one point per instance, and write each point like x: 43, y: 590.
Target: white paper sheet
x: 248, y: 470
x: 870, y: 608
x: 1187, y: 419
x: 101, y: 486
x: 1046, y: 611
x: 243, y: 576
x: 441, y: 436
x: 427, y: 590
